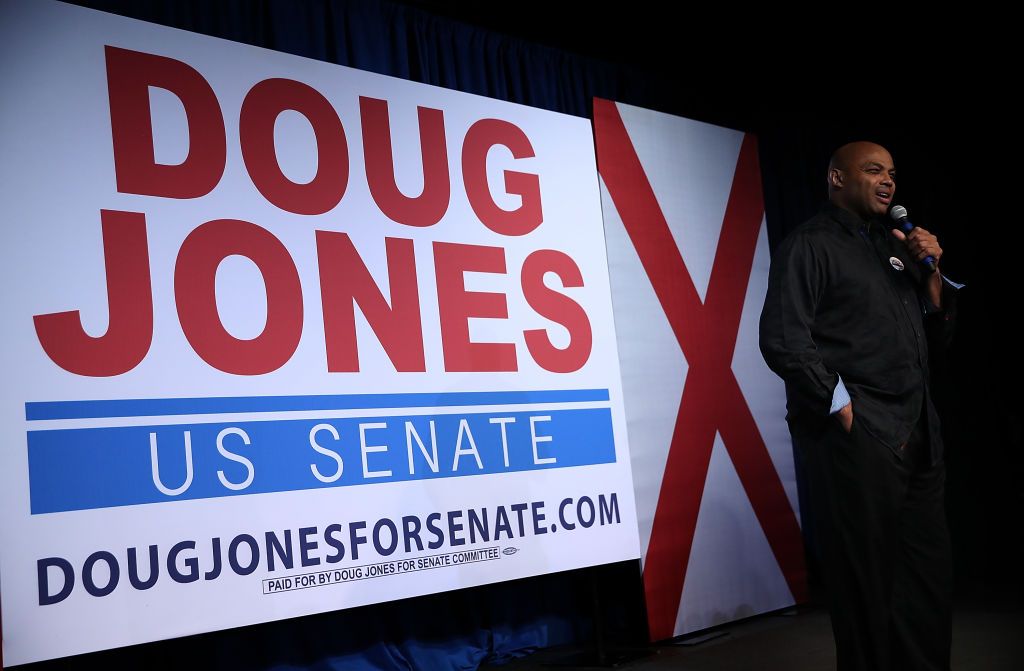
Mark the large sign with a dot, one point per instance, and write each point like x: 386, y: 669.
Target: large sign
x: 283, y: 337
x: 712, y: 461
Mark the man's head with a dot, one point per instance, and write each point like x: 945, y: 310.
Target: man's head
x: 862, y: 179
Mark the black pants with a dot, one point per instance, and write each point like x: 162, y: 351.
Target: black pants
x: 881, y: 527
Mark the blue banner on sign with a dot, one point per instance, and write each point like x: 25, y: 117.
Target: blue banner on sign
x: 81, y: 469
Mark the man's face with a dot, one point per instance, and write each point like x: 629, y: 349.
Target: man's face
x: 868, y: 182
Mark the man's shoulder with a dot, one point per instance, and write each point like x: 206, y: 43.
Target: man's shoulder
x: 821, y: 223
x: 818, y: 229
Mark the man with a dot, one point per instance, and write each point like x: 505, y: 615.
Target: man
x: 848, y: 319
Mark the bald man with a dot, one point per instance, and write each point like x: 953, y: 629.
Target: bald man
x: 849, y: 319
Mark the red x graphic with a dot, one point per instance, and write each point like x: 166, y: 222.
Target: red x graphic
x: 712, y: 401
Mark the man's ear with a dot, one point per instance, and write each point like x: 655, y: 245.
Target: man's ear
x: 835, y: 178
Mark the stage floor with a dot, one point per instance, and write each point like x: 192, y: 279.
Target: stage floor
x: 986, y: 637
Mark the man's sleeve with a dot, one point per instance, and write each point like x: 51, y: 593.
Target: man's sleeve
x: 939, y: 322
x: 796, y: 282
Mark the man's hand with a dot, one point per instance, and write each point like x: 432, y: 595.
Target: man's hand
x: 921, y: 244
x: 845, y: 417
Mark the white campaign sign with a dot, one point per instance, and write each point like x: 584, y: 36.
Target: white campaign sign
x: 283, y: 337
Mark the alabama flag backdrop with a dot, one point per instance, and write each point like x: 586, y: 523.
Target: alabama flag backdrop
x: 712, y: 460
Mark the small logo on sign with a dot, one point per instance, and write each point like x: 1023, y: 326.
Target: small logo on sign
x: 509, y: 551
x: 895, y: 263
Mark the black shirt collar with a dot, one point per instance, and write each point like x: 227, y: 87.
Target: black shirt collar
x: 850, y: 221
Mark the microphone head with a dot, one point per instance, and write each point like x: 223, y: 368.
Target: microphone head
x: 898, y: 212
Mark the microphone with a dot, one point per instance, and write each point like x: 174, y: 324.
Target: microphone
x: 899, y: 215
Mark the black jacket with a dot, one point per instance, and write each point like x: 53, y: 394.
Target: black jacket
x: 844, y: 297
